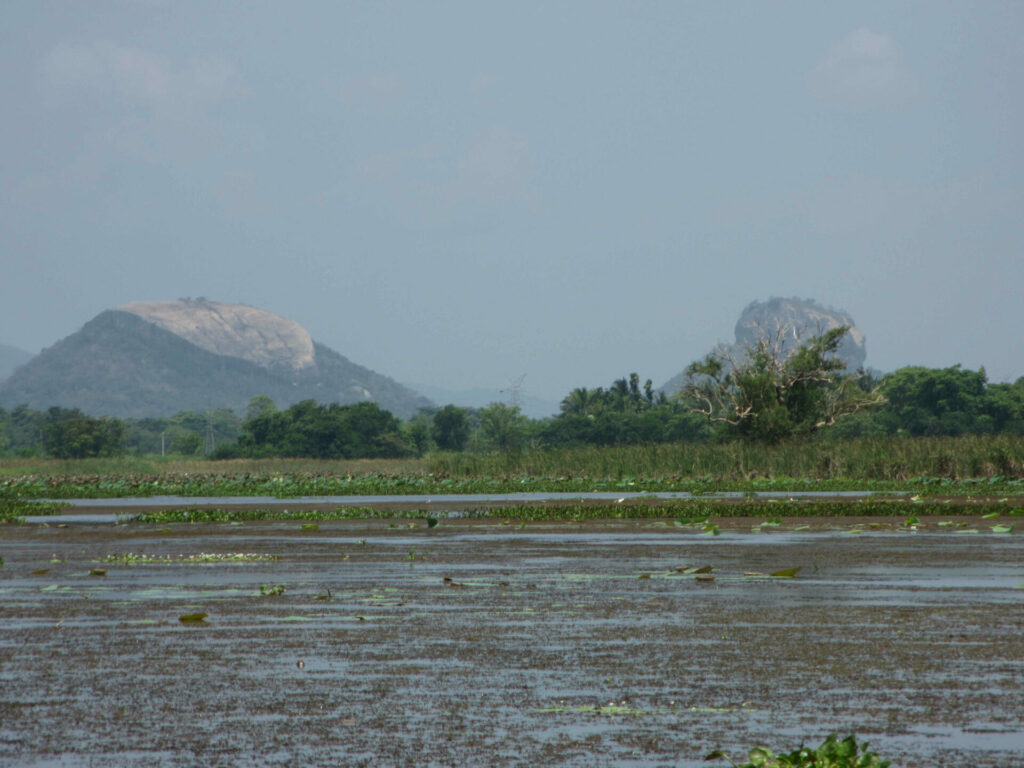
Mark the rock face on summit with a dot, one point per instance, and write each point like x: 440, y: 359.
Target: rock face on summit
x: 796, y: 321
x: 159, y: 358
x: 235, y: 330
x: 800, y: 320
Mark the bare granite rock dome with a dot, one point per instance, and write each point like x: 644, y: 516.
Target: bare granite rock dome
x: 236, y: 330
x: 799, y: 320
x: 794, y: 321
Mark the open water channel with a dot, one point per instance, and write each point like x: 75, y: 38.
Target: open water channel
x: 486, y: 643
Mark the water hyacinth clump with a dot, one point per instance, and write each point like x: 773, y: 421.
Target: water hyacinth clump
x: 832, y: 753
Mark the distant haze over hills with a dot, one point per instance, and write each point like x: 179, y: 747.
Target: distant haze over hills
x: 11, y: 358
x: 534, y: 407
x: 796, y: 320
x: 158, y: 358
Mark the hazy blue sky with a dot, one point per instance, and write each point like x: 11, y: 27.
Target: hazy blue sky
x: 457, y: 193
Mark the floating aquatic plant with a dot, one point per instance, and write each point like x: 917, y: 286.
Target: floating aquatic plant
x: 787, y: 573
x: 831, y: 754
x: 133, y: 558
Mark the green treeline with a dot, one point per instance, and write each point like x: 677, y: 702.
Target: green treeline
x: 761, y: 400
x: 65, y: 433
x: 309, y: 429
x: 941, y: 402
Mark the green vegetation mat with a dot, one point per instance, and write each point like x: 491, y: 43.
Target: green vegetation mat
x: 687, y: 513
x: 13, y: 509
x: 306, y: 484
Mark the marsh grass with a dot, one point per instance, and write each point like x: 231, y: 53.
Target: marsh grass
x: 896, y: 459
x: 926, y: 465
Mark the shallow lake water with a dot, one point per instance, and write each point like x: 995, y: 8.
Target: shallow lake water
x: 481, y: 643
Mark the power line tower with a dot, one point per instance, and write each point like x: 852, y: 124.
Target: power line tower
x: 210, y: 443
x: 514, y: 391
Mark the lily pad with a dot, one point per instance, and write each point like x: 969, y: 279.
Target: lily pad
x: 787, y: 573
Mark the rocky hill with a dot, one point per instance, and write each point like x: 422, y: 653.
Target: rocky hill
x: 11, y: 358
x: 159, y: 358
x: 797, y: 320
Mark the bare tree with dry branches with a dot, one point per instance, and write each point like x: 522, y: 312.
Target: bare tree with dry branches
x: 772, y: 390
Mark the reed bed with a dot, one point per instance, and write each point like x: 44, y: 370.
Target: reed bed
x: 895, y: 459
x: 887, y: 460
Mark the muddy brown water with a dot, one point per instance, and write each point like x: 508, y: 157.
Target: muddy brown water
x: 568, y: 644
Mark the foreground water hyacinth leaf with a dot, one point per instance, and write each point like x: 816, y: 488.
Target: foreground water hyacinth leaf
x: 787, y: 573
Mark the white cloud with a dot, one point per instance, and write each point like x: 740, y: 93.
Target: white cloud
x: 138, y: 78
x: 865, y: 70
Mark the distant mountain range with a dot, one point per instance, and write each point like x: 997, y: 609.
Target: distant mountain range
x: 11, y: 358
x: 534, y: 407
x: 159, y: 358
x: 795, y: 321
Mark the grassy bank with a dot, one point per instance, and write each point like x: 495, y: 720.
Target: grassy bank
x: 924, y: 465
